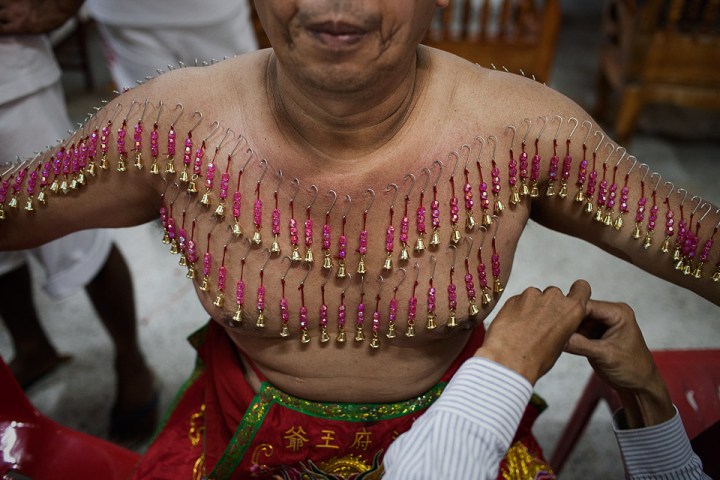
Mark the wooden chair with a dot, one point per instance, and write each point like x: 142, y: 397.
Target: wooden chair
x: 659, y: 51
x: 693, y: 380
x: 518, y: 35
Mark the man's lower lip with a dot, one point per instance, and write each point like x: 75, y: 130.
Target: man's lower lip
x: 338, y: 40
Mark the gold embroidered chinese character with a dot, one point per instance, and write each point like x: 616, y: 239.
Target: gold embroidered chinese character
x: 362, y: 439
x: 328, y: 438
x: 296, y: 438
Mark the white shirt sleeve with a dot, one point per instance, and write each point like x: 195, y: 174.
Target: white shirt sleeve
x: 659, y: 452
x: 467, y: 431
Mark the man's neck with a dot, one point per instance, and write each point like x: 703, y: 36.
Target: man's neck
x: 342, y: 127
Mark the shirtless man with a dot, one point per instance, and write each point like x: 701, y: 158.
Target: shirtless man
x: 348, y: 104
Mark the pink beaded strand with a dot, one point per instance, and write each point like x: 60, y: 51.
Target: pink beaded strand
x: 431, y: 298
x: 623, y: 208
x: 191, y: 254
x: 363, y: 237
x: 309, y: 257
x: 405, y: 222
x: 323, y: 317
x: 293, y: 226
x: 498, y: 206
x: 473, y: 308
x: 257, y: 207
x: 412, y: 305
x: 435, y: 210
x: 341, y: 318
x: 222, y: 278
x: 284, y: 307
x: 567, y: 163
x: 482, y: 276
x: 468, y: 195
x: 523, y: 163
x: 342, y: 242
x: 375, y: 327
x: 603, y: 189
x: 260, y: 323
x: 483, y: 187
x: 652, y: 216
x: 495, y: 262
x: 420, y: 214
x: 390, y: 231
x: 207, y: 265
x: 303, y: 316
x: 326, y: 234
x: 669, y: 220
x: 554, y: 162
x: 452, y: 292
x: 592, y: 178
x: 237, y: 194
x: 138, y: 138
x: 237, y: 317
x: 582, y: 170
x: 393, y: 308
x: 513, y: 168
x: 454, y: 209
x: 172, y: 142
x: 275, y: 226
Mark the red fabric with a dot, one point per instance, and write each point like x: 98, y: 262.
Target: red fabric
x: 289, y: 440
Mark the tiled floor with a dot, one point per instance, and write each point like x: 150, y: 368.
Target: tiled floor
x: 80, y: 394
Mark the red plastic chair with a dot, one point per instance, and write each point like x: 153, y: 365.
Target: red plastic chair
x: 692, y: 378
x: 34, y: 446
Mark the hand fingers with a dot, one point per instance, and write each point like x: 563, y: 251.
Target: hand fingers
x: 579, y: 344
x: 608, y: 313
x: 580, y: 290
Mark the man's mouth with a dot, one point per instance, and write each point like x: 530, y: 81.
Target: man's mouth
x: 337, y: 34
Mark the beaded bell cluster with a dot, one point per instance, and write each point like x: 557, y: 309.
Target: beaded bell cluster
x: 602, y: 191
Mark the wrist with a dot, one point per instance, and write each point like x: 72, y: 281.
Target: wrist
x: 649, y: 405
x: 511, y: 361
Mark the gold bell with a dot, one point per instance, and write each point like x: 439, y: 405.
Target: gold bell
x: 170, y: 167
x: 676, y: 252
x: 473, y: 308
x: 205, y: 199
x: 155, y: 168
x: 525, y: 191
x: 361, y: 265
x: 563, y: 190
x: 534, y: 191
x: 220, y: 210
x: 184, y: 177
x: 486, y: 296
x: 81, y: 178
x: 324, y: 337
x: 340, y: 336
x: 284, y: 330
x: 74, y: 184
x: 550, y: 192
x: 327, y: 260
x: 431, y: 321
x: 498, y: 286
x: 452, y: 319
x: 404, y: 254
x: 579, y: 196
x: 174, y: 247
x: 636, y: 234
x: 257, y: 237
x: 679, y: 264
x: 191, y: 273
x: 295, y: 255
x: 698, y: 272
x: 359, y: 335
x: 410, y: 331
x: 456, y: 235
x: 665, y: 248
x: 260, y: 323
x: 166, y: 238
x: 121, y: 165
x: 435, y: 238
x: 138, y: 161
x: 183, y: 260
x: 648, y: 239
x: 309, y: 258
x: 419, y: 244
x: 238, y: 315
x: 607, y: 220
x: 205, y: 284
x: 63, y: 187
x: 341, y: 273
x: 391, y: 331
x: 514, y: 196
x: 598, y: 217
x: 219, y: 300
x: 687, y: 269
x: 375, y: 342
x: 236, y: 230
x: 387, y: 265
x: 104, y: 162
x: 29, y: 205
x: 91, y: 168
x: 42, y: 197
x: 275, y: 246
x: 192, y: 186
x: 487, y: 219
x: 619, y: 223
x: 305, y: 337
x: 498, y: 207
x: 716, y: 276
x: 2, y: 212
x: 588, y: 207
x: 470, y: 222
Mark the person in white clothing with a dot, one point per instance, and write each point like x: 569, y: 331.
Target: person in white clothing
x: 469, y: 429
x: 141, y: 37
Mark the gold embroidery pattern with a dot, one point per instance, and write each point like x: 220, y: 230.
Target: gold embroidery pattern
x: 522, y: 465
x: 350, y: 412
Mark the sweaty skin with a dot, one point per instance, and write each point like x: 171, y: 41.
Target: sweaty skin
x: 348, y: 102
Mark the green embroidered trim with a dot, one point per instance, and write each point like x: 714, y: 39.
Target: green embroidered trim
x: 349, y: 412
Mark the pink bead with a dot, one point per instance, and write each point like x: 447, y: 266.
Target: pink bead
x: 404, y: 230
x: 191, y: 251
x: 240, y: 292
x: 412, y: 309
x: 553, y: 171
x: 171, y: 228
x: 523, y: 165
x: 303, y: 317
x: 393, y: 310
x: 323, y: 315
x: 567, y: 163
x: 326, y: 239
x: 495, y: 172
x: 435, y: 213
x: 224, y: 185
x: 376, y: 322
x: 308, y: 232
x: 237, y: 199
x: 582, y: 172
x: 482, y: 275
x: 197, y: 166
x: 284, y: 312
x: 276, y: 221
x: 431, y: 293
x: 341, y: 315
x: 210, y: 176
x: 342, y: 244
x: 454, y: 210
x: 257, y: 213
x: 294, y: 239
x: 362, y: 248
x: 187, y: 153
x: 535, y: 169
x: 421, y: 219
x: 261, y: 297
x: 452, y: 296
x: 360, y: 314
x: 207, y: 261
x: 171, y: 142
x: 154, y: 143
x: 222, y: 276
x: 495, y: 260
x: 390, y: 239
x: 468, y: 197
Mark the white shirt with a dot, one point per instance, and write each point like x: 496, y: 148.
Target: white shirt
x: 27, y: 64
x: 467, y: 431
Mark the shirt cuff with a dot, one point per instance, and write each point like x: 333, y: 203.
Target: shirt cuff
x: 652, y: 450
x: 488, y: 394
